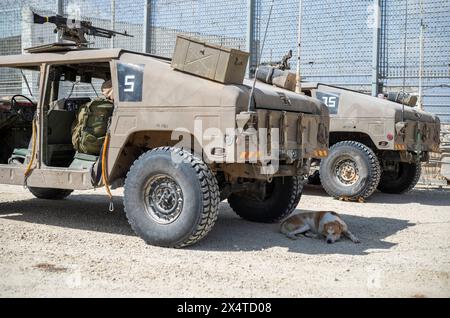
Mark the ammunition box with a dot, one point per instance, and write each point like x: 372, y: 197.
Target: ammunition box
x: 213, y: 62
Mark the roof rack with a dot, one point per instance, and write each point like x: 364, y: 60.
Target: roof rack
x: 53, y: 47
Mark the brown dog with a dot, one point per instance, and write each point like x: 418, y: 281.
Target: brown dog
x: 314, y: 224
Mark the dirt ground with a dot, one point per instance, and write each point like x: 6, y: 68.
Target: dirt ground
x: 76, y: 247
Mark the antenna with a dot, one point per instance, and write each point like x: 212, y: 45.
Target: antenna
x: 250, y: 107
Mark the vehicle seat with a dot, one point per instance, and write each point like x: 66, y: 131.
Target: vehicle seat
x: 60, y: 150
x: 19, y: 156
x: 83, y: 161
x: 59, y: 127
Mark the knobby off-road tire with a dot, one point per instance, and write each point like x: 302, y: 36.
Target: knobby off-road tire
x: 171, y: 198
x: 50, y: 194
x: 401, y: 181
x: 283, y: 196
x: 351, y: 170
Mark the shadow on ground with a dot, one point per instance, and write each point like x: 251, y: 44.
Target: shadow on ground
x: 232, y: 233
x: 81, y: 212
x: 425, y: 196
x: 90, y: 213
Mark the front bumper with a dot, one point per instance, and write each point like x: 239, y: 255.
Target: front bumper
x: 417, y: 136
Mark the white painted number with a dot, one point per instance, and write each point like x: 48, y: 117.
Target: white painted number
x: 129, y: 83
x: 330, y: 101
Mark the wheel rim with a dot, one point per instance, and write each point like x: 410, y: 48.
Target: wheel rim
x: 346, y: 171
x: 163, y: 199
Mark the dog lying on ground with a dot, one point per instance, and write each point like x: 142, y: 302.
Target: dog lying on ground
x: 316, y: 224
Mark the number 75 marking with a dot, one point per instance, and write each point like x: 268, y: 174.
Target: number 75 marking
x: 330, y: 101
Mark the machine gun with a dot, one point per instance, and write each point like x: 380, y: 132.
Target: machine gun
x: 75, y: 30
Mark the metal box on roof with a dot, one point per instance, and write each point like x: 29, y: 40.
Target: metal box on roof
x: 217, y: 63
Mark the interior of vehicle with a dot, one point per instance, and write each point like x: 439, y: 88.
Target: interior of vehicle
x: 69, y: 88
x: 18, y: 100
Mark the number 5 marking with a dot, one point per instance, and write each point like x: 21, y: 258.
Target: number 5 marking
x: 129, y: 83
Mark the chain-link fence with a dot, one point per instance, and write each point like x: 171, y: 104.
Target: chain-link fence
x: 336, y: 45
x: 220, y: 22
x: 336, y: 39
x: 119, y: 15
x: 401, y: 62
x: 18, y: 32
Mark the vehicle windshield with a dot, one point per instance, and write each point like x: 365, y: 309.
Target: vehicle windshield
x: 23, y: 82
x: 79, y: 80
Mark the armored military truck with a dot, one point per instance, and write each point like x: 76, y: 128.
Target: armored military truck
x: 375, y: 143
x: 178, y: 143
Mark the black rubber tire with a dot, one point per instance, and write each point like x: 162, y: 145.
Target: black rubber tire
x: 314, y: 179
x: 200, y: 197
x: 368, y: 169
x: 405, y: 180
x: 283, y: 200
x: 50, y: 194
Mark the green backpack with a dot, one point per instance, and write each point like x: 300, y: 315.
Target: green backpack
x: 89, y: 128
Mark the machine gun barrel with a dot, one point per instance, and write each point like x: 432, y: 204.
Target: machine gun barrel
x: 95, y: 31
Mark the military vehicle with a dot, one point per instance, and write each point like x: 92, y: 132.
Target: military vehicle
x: 376, y: 143
x: 179, y: 142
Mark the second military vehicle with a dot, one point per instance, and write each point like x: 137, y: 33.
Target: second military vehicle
x: 179, y: 137
x: 375, y: 143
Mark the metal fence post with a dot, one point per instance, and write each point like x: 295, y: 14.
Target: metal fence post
x: 59, y: 11
x: 421, y: 56
x: 148, y: 26
x: 376, y: 47
x: 298, y: 85
x: 60, y: 7
x: 251, y: 44
x: 113, y: 20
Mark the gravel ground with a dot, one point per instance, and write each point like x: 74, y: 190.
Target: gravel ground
x: 77, y: 248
